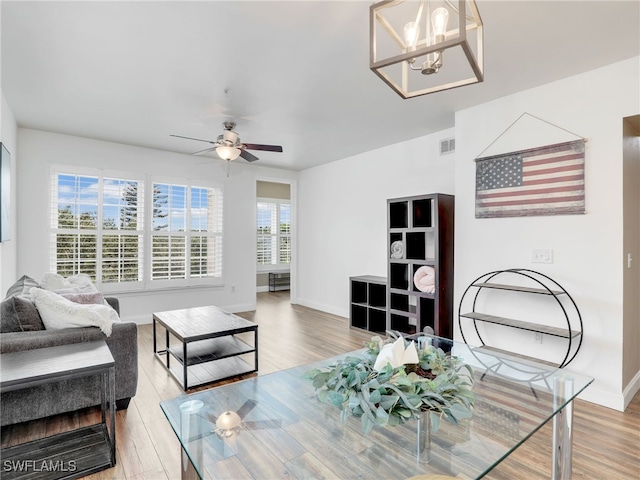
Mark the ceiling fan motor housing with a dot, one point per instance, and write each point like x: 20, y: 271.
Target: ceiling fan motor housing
x: 229, y: 138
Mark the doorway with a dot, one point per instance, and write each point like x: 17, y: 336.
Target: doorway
x: 275, y: 239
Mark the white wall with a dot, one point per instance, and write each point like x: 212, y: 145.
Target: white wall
x: 41, y: 149
x: 587, y: 249
x: 8, y: 249
x: 342, y: 223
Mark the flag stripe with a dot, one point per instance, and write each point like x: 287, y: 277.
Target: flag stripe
x: 527, y: 167
x: 570, y: 183
x: 537, y: 191
x: 541, y: 181
x: 566, y: 168
x: 537, y: 200
x: 544, y: 159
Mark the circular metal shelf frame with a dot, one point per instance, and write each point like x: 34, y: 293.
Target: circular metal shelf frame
x: 547, y: 286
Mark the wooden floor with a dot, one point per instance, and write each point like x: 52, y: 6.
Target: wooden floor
x: 606, y: 442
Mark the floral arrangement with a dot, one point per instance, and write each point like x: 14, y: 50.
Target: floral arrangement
x: 394, y: 382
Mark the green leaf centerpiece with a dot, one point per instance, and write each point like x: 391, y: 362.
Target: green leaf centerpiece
x: 393, y: 382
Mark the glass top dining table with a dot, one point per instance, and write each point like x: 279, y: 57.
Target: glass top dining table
x: 273, y: 426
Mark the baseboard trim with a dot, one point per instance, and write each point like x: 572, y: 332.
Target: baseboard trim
x: 630, y: 391
x: 324, y: 308
x: 264, y: 288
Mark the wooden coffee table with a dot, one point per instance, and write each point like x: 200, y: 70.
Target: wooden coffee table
x: 209, y: 350
x: 71, y: 454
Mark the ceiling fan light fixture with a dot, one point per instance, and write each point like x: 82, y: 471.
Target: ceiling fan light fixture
x: 228, y: 153
x: 411, y: 61
x: 228, y: 423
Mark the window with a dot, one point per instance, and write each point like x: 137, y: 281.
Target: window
x: 99, y: 228
x: 187, y: 232
x: 274, y: 233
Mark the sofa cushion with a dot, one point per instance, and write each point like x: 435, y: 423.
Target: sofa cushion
x: 19, y: 314
x: 22, y: 286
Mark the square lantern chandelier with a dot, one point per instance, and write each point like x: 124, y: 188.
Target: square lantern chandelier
x: 421, y: 47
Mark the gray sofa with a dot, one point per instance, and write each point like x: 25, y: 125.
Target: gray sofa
x: 23, y: 330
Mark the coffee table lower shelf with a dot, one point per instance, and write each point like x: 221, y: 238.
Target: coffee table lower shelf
x: 67, y: 455
x: 211, y: 372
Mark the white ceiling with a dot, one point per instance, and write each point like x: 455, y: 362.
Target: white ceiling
x: 297, y: 72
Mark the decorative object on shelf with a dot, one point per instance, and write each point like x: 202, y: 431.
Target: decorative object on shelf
x: 524, y: 282
x: 543, y: 179
x: 425, y: 279
x: 408, y: 41
x: 397, y: 249
x: 439, y: 384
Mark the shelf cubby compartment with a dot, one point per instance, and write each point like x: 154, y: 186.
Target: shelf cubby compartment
x: 377, y: 320
x: 359, y: 292
x: 395, y: 237
x: 393, y: 253
x: 358, y: 316
x: 415, y: 248
x: 399, y: 277
x: 399, y: 215
x: 423, y: 212
x: 401, y: 324
x: 427, y: 316
x: 377, y: 295
x: 398, y: 301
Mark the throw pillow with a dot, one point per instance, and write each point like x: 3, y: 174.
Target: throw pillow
x: 19, y: 314
x: 96, y: 298
x: 22, y: 286
x: 80, y: 283
x: 57, y: 312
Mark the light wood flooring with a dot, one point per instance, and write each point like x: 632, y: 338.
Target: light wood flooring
x: 606, y: 442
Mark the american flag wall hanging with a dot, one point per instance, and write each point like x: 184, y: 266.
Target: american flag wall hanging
x: 538, y: 181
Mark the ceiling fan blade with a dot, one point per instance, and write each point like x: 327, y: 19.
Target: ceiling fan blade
x: 266, y: 148
x: 191, y: 138
x: 246, y: 408
x: 205, y: 150
x: 249, y: 157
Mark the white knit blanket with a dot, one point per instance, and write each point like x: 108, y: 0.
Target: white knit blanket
x: 57, y: 312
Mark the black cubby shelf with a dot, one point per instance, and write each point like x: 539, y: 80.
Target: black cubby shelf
x: 424, y: 224
x: 368, y: 303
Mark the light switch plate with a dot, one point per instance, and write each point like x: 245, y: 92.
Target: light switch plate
x: 542, y: 255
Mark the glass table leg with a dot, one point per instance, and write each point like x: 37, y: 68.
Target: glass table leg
x: 562, y: 428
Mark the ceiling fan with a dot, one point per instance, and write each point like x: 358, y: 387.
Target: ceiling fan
x: 229, y: 147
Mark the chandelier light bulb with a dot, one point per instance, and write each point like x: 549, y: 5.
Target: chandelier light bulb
x: 439, y: 20
x: 411, y: 33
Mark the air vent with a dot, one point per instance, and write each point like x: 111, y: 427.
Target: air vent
x: 447, y: 146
